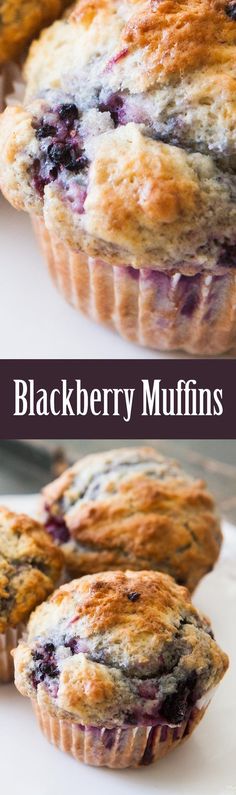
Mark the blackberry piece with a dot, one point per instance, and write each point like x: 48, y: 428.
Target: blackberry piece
x: 175, y: 706
x: 58, y: 530
x: 65, y: 155
x: 133, y: 596
x: 49, y: 648
x: 230, y: 10
x: 82, y: 162
x: 60, y: 154
x: 45, y: 664
x: 227, y: 256
x: 48, y: 669
x: 53, y: 173
x: 68, y: 112
x: 45, y: 131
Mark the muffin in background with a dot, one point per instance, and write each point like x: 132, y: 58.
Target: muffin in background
x: 124, y: 155
x: 21, y: 20
x: 119, y: 667
x: 30, y: 568
x: 132, y: 508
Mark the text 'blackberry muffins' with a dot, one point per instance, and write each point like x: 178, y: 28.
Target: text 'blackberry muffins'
x: 119, y: 667
x: 131, y: 507
x: 124, y: 152
x: 30, y: 567
x: 20, y: 20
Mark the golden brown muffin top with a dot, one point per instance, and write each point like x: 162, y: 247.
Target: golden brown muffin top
x: 132, y: 507
x: 30, y: 567
x: 119, y: 648
x: 175, y: 36
x: 161, y: 39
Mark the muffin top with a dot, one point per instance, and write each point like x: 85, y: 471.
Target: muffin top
x: 21, y: 19
x: 30, y: 565
x: 126, y: 142
x: 119, y: 648
x: 132, y: 507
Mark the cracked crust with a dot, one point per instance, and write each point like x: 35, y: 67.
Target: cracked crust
x: 30, y: 566
x: 20, y: 20
x: 159, y: 189
x: 157, y: 640
x: 179, y: 37
x: 151, y: 42
x: 131, y: 507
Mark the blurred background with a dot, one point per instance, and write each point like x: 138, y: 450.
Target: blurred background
x: 26, y: 465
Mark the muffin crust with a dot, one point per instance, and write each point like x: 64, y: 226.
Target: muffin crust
x: 132, y: 507
x: 117, y: 649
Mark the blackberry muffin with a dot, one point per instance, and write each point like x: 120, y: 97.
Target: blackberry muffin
x: 132, y: 508
x: 124, y: 151
x: 30, y: 566
x: 20, y: 20
x: 119, y: 666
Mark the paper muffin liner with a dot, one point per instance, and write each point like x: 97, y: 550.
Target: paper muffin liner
x: 115, y: 748
x: 196, y: 314
x: 8, y: 641
x: 11, y: 85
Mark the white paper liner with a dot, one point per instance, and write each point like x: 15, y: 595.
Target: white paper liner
x: 11, y: 85
x: 145, y: 306
x: 116, y: 748
x: 8, y: 641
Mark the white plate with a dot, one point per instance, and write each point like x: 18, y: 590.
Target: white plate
x: 204, y: 765
x: 35, y: 321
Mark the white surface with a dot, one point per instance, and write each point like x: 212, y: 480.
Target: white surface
x: 204, y: 765
x: 35, y: 321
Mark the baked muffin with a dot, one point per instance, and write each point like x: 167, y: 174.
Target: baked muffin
x: 20, y: 20
x: 131, y: 507
x: 30, y: 566
x: 124, y: 151
x: 119, y: 666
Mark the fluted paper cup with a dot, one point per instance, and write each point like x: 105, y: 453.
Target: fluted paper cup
x: 115, y: 748
x: 196, y: 314
x: 8, y: 641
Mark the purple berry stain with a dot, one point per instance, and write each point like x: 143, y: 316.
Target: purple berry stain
x: 56, y: 528
x: 77, y: 645
x: 113, y: 105
x: 116, y: 58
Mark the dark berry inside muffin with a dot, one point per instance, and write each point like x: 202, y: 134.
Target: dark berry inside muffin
x: 231, y: 10
x: 61, y: 148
